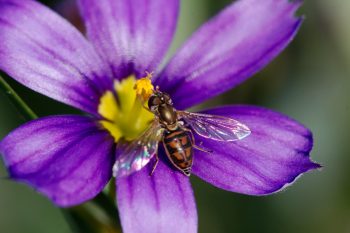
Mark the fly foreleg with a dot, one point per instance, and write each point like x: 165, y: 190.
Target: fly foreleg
x: 155, y: 164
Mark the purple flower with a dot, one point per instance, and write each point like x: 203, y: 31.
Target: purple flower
x: 69, y: 158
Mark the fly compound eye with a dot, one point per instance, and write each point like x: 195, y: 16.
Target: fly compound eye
x: 153, y: 103
x: 167, y: 99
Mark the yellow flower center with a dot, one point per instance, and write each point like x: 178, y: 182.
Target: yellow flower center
x: 123, y: 110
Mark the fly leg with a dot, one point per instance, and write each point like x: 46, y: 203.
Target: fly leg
x: 155, y: 165
x: 194, y: 143
x: 202, y: 149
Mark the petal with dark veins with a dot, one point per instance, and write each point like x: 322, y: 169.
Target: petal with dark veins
x: 131, y: 35
x: 163, y: 202
x: 67, y: 158
x: 41, y: 50
x: 270, y: 158
x: 228, y: 49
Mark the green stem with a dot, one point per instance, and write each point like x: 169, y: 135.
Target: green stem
x: 99, y: 215
x: 81, y: 219
x: 107, y: 205
x: 21, y: 106
x: 76, y: 222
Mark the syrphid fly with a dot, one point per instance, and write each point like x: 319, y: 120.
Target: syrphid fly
x: 175, y: 130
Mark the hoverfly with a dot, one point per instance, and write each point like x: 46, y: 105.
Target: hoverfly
x: 169, y: 128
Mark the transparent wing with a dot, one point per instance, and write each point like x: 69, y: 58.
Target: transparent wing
x: 136, y: 154
x: 215, y: 127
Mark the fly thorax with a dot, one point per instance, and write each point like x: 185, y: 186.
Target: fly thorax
x: 167, y: 114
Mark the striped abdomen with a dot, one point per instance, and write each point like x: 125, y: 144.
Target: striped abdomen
x: 178, y: 147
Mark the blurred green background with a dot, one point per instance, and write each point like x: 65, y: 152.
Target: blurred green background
x: 309, y: 81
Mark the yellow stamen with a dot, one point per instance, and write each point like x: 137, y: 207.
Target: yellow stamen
x: 125, y: 118
x: 144, y: 88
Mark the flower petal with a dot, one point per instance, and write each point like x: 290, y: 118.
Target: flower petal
x: 132, y: 35
x: 44, y: 52
x: 228, y: 49
x: 67, y: 158
x: 273, y: 156
x: 163, y: 202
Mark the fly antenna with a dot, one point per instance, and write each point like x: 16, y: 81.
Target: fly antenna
x: 149, y: 75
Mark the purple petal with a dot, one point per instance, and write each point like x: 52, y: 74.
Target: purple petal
x: 163, y: 202
x: 272, y: 157
x: 44, y: 52
x: 66, y: 158
x: 228, y: 49
x: 132, y: 35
